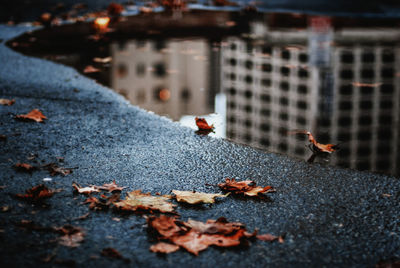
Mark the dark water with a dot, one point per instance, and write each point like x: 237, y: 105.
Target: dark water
x: 338, y: 78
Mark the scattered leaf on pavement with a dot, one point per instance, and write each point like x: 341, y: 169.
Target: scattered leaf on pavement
x: 71, y: 236
x: 34, y: 115
x: 195, y: 236
x: 248, y: 187
x: 7, y: 102
x: 36, y: 194
x: 85, y: 190
x: 102, y: 203
x: 111, y: 187
x: 317, y: 147
x: 192, y: 197
x: 24, y: 167
x: 55, y: 170
x: 139, y: 202
x: 270, y: 237
x: 162, y: 247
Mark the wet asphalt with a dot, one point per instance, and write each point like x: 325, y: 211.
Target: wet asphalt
x: 329, y: 217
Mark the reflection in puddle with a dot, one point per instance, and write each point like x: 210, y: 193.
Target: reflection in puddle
x: 333, y: 77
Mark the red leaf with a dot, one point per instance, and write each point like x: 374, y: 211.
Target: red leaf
x: 36, y: 194
x: 203, y: 125
x: 34, y: 115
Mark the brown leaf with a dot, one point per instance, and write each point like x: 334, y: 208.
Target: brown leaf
x: 7, y: 102
x: 91, y: 69
x: 203, y: 125
x: 55, y: 170
x: 111, y: 187
x: 24, y: 167
x: 139, y: 202
x: 162, y: 247
x: 317, y: 147
x: 196, y: 236
x: 248, y: 187
x: 34, y: 115
x: 191, y: 197
x: 111, y: 253
x: 71, y: 236
x: 115, y: 9
x: 85, y: 190
x: 36, y: 194
x: 268, y: 237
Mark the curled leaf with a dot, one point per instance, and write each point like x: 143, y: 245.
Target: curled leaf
x: 248, y: 187
x: 34, y: 115
x: 136, y: 201
x: 85, y: 190
x: 191, y: 197
x: 204, y: 127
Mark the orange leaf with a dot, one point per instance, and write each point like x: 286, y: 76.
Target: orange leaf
x: 196, y: 236
x: 248, y: 187
x: 191, y: 197
x: 36, y: 194
x: 7, y: 102
x: 203, y: 125
x: 34, y: 115
x: 24, y: 167
x: 325, y: 148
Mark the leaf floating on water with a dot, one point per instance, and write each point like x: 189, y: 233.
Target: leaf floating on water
x: 248, y: 187
x: 34, y: 115
x: 139, y: 202
x: 191, y: 197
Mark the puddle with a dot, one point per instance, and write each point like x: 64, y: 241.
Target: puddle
x: 259, y: 78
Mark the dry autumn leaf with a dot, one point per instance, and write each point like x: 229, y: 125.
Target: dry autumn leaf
x: 71, y: 236
x: 139, y: 202
x: 102, y: 203
x: 85, y: 190
x: 162, y: 247
x: 7, y: 102
x: 34, y: 115
x: 196, y: 236
x: 24, y: 167
x: 111, y: 187
x: 248, y: 187
x: 36, y: 194
x: 55, y: 170
x: 203, y: 125
x: 191, y: 197
x: 270, y: 238
x: 317, y: 147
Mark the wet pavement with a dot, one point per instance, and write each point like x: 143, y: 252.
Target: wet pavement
x: 328, y: 216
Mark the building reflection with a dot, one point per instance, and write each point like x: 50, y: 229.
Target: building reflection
x: 341, y: 84
x: 167, y: 77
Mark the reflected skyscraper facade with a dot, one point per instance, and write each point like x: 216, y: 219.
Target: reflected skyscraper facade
x: 342, y: 84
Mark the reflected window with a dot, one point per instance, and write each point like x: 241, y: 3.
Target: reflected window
x: 248, y: 94
x: 299, y: 150
x: 387, y: 89
x: 248, y: 108
x: 283, y: 116
x: 248, y: 64
x: 265, y: 112
x: 233, y: 46
x: 366, y: 90
x: 303, y: 57
x: 285, y: 54
x: 265, y: 127
x: 347, y: 57
x: 346, y: 74
x: 344, y: 136
x: 364, y: 135
x: 284, y: 86
x: 301, y: 120
x: 232, y: 62
x: 122, y: 70
x: 285, y: 71
x: 159, y: 45
x: 385, y: 119
x: 282, y: 147
x: 264, y: 142
x: 266, y: 82
x: 185, y: 94
x: 383, y: 164
x: 302, y: 105
x: 366, y: 105
x: 284, y: 101
x: 385, y: 134
x: 344, y: 121
x: 363, y: 165
x: 159, y: 69
x: 303, y: 73
x: 265, y: 98
x: 367, y: 73
x: 388, y: 56
x: 232, y: 76
x: 345, y: 105
x: 140, y: 69
x: 344, y: 152
x: 386, y: 104
x: 248, y: 79
x: 232, y: 119
x: 266, y: 50
x: 368, y: 57
x: 365, y: 120
x: 384, y: 149
x: 247, y: 123
x: 346, y: 89
x: 302, y: 89
x: 266, y: 67
x: 387, y: 73
x: 363, y: 151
